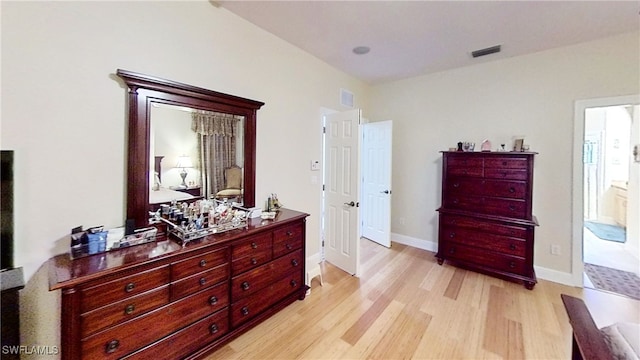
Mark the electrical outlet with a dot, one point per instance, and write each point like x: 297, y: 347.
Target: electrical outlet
x: 555, y: 249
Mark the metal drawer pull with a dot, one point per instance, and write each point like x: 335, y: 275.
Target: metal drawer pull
x: 213, y: 300
x: 129, y: 287
x: 111, y: 346
x: 452, y: 235
x: 456, y: 185
x: 244, y: 311
x: 293, y: 283
x: 512, y: 264
x: 512, y: 190
x: 289, y: 233
x: 288, y: 246
x: 245, y: 286
x: 203, y: 263
x: 253, y: 261
x: 294, y: 262
x: 452, y: 250
x: 504, y: 163
x: 203, y: 281
x: 512, y: 207
x: 129, y: 309
x: 213, y: 328
x: 512, y: 246
x: 254, y: 245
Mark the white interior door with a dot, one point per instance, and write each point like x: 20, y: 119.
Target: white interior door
x: 376, y: 181
x: 341, y: 190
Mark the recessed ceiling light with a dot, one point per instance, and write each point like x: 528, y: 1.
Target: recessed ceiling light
x: 361, y: 50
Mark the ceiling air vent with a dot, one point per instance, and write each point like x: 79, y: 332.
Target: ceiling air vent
x: 486, y: 51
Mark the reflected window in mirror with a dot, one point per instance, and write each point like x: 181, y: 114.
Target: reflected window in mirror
x: 212, y: 141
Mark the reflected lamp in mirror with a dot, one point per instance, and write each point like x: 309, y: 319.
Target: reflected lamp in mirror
x: 184, y: 162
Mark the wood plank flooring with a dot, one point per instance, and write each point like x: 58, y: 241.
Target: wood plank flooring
x: 406, y: 306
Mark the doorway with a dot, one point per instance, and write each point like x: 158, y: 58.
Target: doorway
x: 606, y: 220
x: 345, y: 209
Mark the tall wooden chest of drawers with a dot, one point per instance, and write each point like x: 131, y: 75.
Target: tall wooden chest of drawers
x: 165, y: 301
x: 485, y: 219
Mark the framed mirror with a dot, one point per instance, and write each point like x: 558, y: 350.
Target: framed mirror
x: 174, y: 131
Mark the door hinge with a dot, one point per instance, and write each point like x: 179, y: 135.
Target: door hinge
x: 324, y: 129
x: 322, y: 243
x: 322, y: 187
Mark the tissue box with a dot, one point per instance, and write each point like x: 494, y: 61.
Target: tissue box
x: 255, y: 212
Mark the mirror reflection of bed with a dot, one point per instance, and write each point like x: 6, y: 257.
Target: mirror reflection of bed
x: 213, y: 142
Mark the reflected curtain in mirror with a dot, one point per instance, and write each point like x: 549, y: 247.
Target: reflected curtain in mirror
x: 218, y: 141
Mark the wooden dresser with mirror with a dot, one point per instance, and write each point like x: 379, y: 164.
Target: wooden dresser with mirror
x: 172, y: 301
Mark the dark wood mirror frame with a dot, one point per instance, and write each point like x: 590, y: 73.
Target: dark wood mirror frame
x: 145, y: 90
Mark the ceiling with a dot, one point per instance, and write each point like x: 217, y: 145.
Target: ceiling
x: 411, y: 38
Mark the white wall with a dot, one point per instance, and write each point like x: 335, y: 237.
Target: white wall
x: 530, y: 95
x: 63, y: 112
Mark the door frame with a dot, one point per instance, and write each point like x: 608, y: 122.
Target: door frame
x: 577, y: 236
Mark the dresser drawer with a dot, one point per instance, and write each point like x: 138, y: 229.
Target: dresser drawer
x: 199, y: 263
x: 134, y: 334
x: 464, y: 161
x: 507, y: 189
x: 187, y: 340
x: 98, y: 319
x: 258, y: 278
x: 286, y: 264
x: 252, y: 247
x: 506, y: 162
x: 123, y: 288
x: 287, y: 239
x: 512, y: 208
x: 249, y: 262
x: 197, y: 282
x: 506, y: 174
x: 498, y: 243
x: 465, y: 171
x: 483, y: 225
x: 486, y: 259
x: 250, y: 306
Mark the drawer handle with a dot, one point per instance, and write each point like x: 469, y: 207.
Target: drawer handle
x: 213, y: 300
x: 203, y: 263
x: 293, y: 283
x: 244, y: 311
x: 253, y: 261
x: 245, y: 286
x: 512, y: 264
x: 452, y: 222
x: 504, y: 163
x: 294, y: 262
x: 504, y: 174
x: 254, y: 245
x: 129, y: 309
x: 455, y: 201
x: 512, y: 190
x: 213, y: 328
x: 289, y: 233
x: 456, y: 185
x: 452, y: 250
x: 288, y: 246
x: 512, y: 246
x: 129, y: 287
x: 203, y: 281
x: 111, y: 346
x: 452, y: 235
x: 512, y: 207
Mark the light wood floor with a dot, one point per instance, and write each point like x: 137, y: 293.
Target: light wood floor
x: 405, y: 306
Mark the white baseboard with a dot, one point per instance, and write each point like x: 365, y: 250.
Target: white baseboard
x: 541, y: 272
x: 415, y: 242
